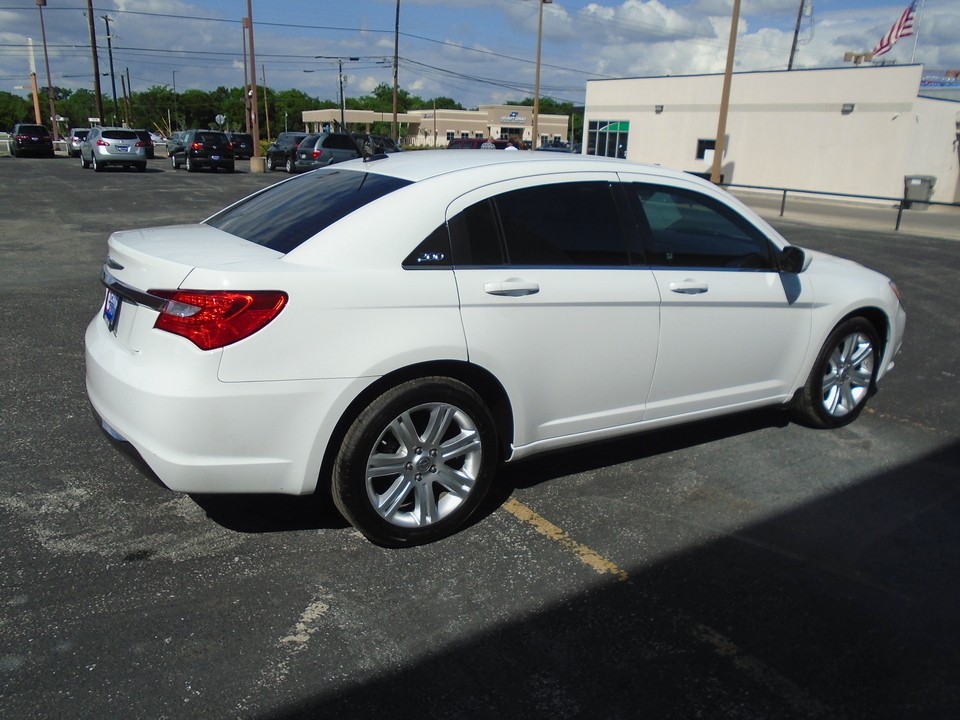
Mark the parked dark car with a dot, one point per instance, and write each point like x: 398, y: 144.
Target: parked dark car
x: 147, y: 141
x: 322, y: 149
x: 30, y: 140
x: 74, y: 138
x: 474, y: 143
x: 204, y: 149
x: 242, y: 145
x: 113, y: 146
x: 283, y: 153
x: 375, y: 144
x: 174, y: 142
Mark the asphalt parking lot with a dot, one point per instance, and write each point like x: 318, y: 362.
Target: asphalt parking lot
x: 742, y: 568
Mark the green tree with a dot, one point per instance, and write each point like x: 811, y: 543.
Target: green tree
x: 14, y: 109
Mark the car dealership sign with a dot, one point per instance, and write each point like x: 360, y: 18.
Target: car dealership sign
x: 513, y: 118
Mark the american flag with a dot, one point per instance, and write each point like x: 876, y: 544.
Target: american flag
x: 901, y: 28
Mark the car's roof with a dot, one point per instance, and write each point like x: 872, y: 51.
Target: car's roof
x: 425, y: 164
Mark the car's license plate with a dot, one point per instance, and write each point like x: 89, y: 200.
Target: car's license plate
x: 111, y: 310
x: 214, y: 157
x: 123, y: 148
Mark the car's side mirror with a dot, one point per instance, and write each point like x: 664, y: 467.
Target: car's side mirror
x: 792, y: 260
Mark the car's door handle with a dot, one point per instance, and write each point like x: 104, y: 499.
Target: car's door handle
x: 689, y: 287
x: 511, y: 288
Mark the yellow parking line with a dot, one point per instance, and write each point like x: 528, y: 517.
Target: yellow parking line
x: 545, y: 527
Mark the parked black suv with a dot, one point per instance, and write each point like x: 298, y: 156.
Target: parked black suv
x: 283, y: 153
x: 204, y: 149
x: 147, y: 141
x: 29, y: 139
x: 242, y: 145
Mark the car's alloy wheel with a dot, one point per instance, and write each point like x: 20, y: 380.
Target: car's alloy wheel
x: 173, y: 162
x: 416, y: 462
x: 291, y: 165
x: 842, y: 378
x: 270, y: 164
x: 83, y: 162
x: 97, y: 167
x: 191, y: 167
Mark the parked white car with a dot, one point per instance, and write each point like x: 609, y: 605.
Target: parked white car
x: 394, y: 329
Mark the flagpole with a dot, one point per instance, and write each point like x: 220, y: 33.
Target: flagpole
x: 916, y: 36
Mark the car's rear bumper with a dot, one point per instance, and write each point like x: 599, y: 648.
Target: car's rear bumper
x: 200, y: 435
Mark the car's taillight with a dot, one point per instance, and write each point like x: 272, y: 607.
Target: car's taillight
x: 214, y: 319
x: 317, y: 153
x: 103, y: 143
x: 139, y: 143
x: 230, y: 146
x: 196, y: 146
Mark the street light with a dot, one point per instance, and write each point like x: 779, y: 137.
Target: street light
x: 343, y: 109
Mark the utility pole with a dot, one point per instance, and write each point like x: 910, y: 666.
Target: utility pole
x: 266, y: 110
x: 46, y: 59
x: 113, y: 77
x: 96, y: 61
x: 796, y: 35
x: 396, y: 59
x: 536, y: 85
x: 254, y: 118
x: 725, y: 97
x: 246, y: 78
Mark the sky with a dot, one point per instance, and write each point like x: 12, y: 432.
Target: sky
x: 475, y: 51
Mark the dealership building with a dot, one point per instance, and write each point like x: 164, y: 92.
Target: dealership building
x: 435, y: 128
x: 856, y: 131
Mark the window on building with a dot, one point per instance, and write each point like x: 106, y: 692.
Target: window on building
x: 450, y: 135
x: 464, y: 134
x: 703, y: 146
x: 608, y: 138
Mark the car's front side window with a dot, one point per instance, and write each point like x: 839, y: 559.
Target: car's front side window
x: 683, y: 228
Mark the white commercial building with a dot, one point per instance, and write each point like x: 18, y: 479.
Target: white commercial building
x: 856, y: 131
x: 435, y: 128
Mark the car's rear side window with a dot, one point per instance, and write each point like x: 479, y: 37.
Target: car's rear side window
x: 284, y: 216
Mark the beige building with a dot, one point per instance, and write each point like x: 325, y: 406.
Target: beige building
x: 435, y: 128
x: 858, y: 130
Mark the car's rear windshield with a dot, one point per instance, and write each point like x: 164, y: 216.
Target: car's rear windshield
x: 284, y: 216
x: 212, y: 137
x: 33, y: 130
x: 120, y: 135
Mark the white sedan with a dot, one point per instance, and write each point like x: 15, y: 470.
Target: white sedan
x: 393, y: 329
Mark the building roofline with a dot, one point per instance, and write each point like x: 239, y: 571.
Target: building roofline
x: 759, y: 72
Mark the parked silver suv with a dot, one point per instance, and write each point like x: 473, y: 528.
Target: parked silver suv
x: 105, y: 146
x: 322, y: 149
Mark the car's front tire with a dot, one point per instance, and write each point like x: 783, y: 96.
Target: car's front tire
x: 84, y: 163
x: 416, y: 463
x: 271, y: 165
x: 842, y: 378
x: 174, y: 163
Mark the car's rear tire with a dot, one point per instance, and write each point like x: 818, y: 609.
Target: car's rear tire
x: 97, y: 167
x: 84, y: 163
x: 141, y: 167
x: 291, y: 166
x: 190, y: 165
x: 416, y: 462
x: 231, y: 167
x: 842, y: 378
